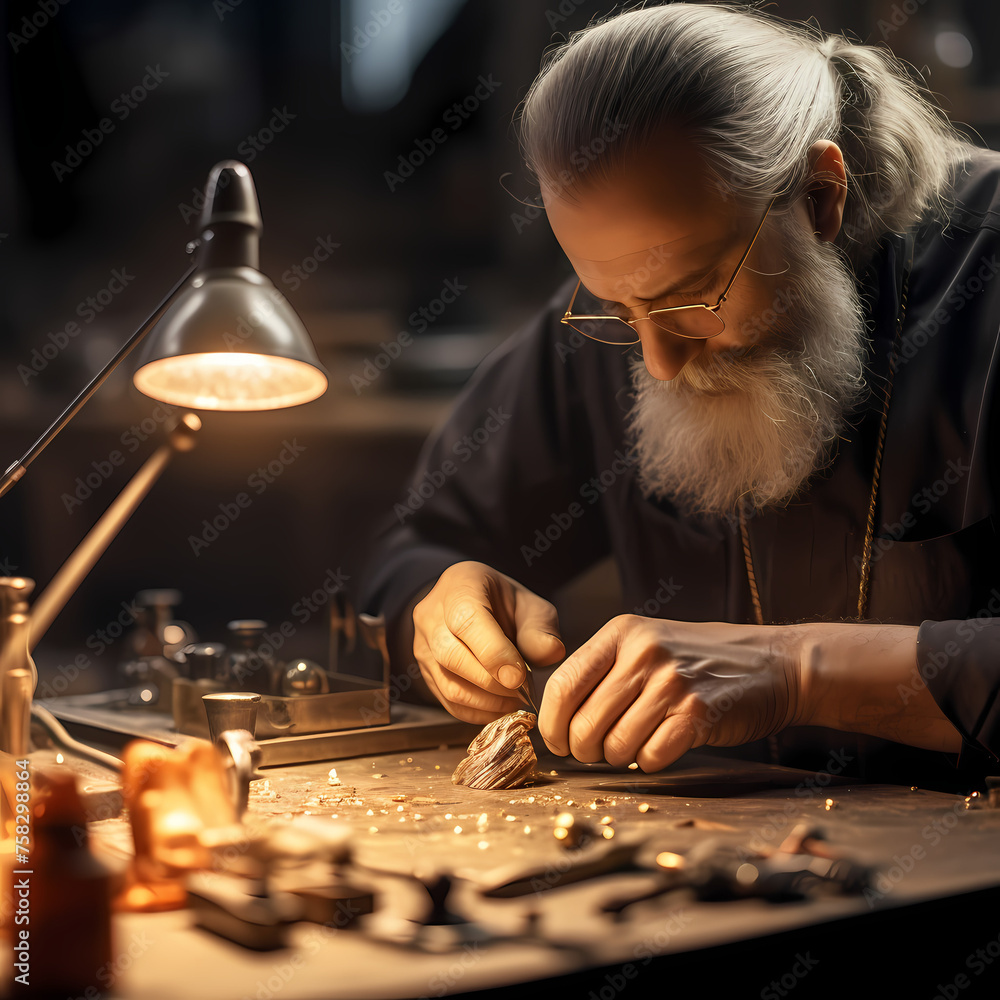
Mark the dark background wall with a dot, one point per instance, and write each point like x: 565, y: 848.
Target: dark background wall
x: 339, y: 109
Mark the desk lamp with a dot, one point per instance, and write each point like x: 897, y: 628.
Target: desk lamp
x: 223, y: 338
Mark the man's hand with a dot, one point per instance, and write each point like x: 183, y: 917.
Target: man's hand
x: 472, y: 634
x: 648, y: 690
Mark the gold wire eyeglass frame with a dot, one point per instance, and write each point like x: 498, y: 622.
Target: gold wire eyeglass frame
x: 655, y: 314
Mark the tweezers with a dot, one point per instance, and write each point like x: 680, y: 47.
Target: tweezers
x: 527, y: 689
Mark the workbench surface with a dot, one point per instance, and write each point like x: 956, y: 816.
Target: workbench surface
x: 936, y: 864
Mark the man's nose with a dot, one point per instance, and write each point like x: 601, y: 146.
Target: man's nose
x: 664, y: 353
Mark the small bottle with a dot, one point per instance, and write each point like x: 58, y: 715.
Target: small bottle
x: 252, y: 665
x: 70, y: 898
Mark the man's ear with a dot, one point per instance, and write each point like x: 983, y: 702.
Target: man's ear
x: 827, y: 191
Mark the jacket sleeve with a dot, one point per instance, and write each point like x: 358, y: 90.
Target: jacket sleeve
x: 495, y: 483
x: 959, y: 661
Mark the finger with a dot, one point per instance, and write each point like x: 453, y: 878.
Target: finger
x: 673, y: 738
x: 572, y: 682
x: 476, y: 704
x: 536, y: 624
x: 455, y: 656
x: 601, y: 713
x: 470, y: 619
x: 463, y: 700
x: 636, y: 726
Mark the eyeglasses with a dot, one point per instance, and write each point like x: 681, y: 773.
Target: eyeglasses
x: 697, y: 321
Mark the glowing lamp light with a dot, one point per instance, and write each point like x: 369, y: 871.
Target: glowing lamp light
x: 230, y: 381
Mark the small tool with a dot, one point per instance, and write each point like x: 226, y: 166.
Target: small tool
x: 527, y: 690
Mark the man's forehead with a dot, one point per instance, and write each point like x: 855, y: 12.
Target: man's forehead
x: 685, y: 255
x: 654, y: 214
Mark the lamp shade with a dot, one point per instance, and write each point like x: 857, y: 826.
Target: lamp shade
x: 230, y: 340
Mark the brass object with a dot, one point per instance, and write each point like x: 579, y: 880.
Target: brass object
x: 181, y: 810
x: 15, y: 719
x: 230, y: 710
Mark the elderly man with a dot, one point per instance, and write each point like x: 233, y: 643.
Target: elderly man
x: 767, y: 392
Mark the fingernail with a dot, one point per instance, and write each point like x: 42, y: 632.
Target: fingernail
x: 510, y: 676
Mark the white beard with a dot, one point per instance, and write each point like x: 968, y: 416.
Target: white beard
x: 747, y: 430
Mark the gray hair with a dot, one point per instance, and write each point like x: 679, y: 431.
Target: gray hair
x: 756, y: 92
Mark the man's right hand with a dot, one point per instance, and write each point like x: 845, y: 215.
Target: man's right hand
x: 472, y: 634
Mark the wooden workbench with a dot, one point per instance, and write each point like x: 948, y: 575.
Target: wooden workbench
x: 934, y: 902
